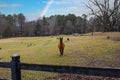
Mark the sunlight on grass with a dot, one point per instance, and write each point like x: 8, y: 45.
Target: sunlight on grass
x: 97, y: 51
x: 43, y: 50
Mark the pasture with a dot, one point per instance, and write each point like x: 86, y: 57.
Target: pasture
x: 82, y: 50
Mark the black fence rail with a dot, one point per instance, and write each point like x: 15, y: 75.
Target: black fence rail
x: 5, y: 64
x: 16, y: 67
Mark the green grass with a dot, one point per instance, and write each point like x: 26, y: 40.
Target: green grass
x: 86, y: 50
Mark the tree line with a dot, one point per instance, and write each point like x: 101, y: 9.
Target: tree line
x: 16, y: 25
x: 106, y: 17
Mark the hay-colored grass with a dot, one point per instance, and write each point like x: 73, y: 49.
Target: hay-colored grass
x: 86, y: 50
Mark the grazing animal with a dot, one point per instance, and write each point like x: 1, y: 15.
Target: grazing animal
x: 61, y: 46
x: 108, y: 37
x: 0, y: 48
x: 68, y: 39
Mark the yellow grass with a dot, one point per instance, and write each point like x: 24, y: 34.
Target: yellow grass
x: 86, y: 50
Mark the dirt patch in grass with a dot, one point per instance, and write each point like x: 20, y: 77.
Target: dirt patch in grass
x: 116, y: 38
x: 113, y: 38
x: 78, y: 77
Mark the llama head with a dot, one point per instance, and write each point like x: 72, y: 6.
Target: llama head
x: 61, y: 39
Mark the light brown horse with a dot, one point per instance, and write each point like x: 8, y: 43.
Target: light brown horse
x: 61, y: 46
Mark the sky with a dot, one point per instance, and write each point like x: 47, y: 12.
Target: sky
x: 34, y: 9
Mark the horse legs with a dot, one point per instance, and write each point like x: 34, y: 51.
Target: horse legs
x: 60, y: 52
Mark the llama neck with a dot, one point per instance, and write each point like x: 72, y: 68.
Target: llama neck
x: 61, y: 41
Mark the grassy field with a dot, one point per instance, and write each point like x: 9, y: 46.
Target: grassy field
x: 100, y: 50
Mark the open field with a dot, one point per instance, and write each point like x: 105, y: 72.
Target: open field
x: 100, y: 50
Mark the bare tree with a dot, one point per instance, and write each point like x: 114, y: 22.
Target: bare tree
x: 78, y: 25
x: 69, y: 28
x: 21, y: 21
x: 107, y: 11
x: 3, y: 25
x: 84, y: 23
x: 52, y: 24
x: 29, y: 28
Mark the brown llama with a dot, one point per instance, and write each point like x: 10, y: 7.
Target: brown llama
x: 61, y: 46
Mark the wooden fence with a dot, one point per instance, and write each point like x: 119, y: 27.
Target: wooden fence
x: 16, y: 67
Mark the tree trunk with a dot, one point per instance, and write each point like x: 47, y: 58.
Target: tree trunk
x: 1, y: 35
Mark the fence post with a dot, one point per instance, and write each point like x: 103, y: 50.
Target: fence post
x: 15, y: 67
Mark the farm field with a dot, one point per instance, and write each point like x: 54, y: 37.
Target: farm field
x: 100, y: 50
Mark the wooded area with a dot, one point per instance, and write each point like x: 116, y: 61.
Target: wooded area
x: 105, y: 17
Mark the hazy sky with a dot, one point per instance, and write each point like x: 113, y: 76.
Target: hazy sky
x: 34, y: 9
